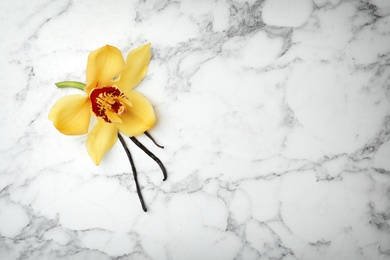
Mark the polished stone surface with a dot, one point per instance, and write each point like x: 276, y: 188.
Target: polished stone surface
x: 275, y: 117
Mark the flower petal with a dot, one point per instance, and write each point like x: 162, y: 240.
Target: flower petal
x: 139, y: 117
x: 101, y: 139
x: 71, y: 114
x: 137, y: 64
x: 103, y: 65
x: 113, y: 117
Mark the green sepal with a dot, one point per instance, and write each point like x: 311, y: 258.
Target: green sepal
x: 71, y: 84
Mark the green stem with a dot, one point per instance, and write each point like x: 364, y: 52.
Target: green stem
x: 71, y: 84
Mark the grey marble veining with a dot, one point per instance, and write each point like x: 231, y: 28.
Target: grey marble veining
x: 275, y: 117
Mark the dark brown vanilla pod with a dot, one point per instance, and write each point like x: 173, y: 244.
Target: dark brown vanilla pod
x: 154, y: 141
x: 134, y: 170
x: 151, y: 155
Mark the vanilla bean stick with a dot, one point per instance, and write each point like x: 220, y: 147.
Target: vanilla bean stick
x: 134, y: 171
x: 151, y: 138
x: 151, y: 155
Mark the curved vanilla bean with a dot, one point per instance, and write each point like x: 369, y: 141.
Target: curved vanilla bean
x: 151, y: 155
x: 134, y: 172
x: 154, y: 141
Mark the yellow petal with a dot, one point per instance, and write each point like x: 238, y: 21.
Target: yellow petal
x: 71, y: 114
x: 125, y: 101
x: 114, y: 118
x: 137, y: 64
x: 139, y: 117
x: 101, y: 139
x: 103, y: 65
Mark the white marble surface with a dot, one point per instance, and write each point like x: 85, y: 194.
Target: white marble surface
x: 275, y: 116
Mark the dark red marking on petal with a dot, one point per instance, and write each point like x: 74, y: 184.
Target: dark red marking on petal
x: 105, y: 98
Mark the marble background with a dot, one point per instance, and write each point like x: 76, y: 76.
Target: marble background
x: 275, y: 116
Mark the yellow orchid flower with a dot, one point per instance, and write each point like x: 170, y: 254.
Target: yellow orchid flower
x: 109, y: 96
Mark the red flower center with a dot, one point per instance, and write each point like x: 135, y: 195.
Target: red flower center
x: 107, y: 100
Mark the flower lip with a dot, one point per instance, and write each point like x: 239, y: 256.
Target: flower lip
x: 107, y: 101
